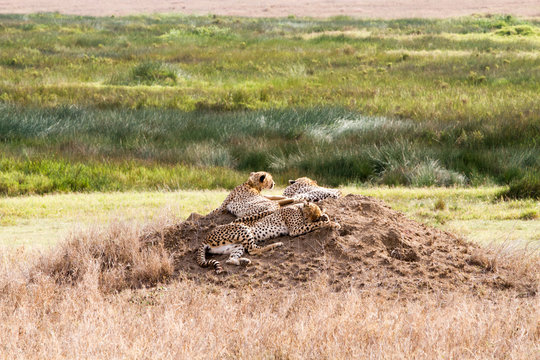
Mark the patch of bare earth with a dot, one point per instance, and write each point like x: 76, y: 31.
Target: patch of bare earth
x: 388, y: 9
x: 377, y: 249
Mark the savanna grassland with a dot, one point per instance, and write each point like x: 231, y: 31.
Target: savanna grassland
x: 110, y: 126
x: 175, y: 102
x: 102, y: 293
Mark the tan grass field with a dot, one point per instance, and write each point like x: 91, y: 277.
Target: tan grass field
x: 47, y: 312
x: 387, y: 9
x: 43, y: 317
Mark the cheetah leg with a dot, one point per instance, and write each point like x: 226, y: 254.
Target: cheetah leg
x: 281, y: 200
x: 313, y: 226
x: 236, y: 256
x: 255, y: 249
x: 201, y: 259
x: 288, y: 201
x: 275, y: 197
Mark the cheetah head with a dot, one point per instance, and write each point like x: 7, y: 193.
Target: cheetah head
x: 303, y: 181
x: 312, y: 212
x: 261, y: 180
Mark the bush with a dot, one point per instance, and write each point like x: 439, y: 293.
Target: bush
x: 523, y: 30
x: 527, y: 187
x: 147, y: 73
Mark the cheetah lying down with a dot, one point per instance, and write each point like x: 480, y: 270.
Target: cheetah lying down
x: 244, y: 233
x: 306, y: 189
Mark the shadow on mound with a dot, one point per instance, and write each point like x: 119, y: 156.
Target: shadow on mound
x: 376, y: 248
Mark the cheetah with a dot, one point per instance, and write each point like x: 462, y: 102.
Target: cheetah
x: 246, y: 199
x: 244, y: 233
x: 306, y: 189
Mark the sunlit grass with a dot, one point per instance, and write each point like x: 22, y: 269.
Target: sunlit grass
x: 455, y: 101
x: 472, y: 213
x: 226, y: 63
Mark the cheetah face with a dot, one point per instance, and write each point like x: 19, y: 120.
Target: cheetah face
x: 312, y: 212
x: 261, y: 180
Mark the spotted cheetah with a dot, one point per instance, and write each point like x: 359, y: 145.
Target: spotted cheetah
x: 244, y: 233
x: 306, y: 189
x: 246, y: 199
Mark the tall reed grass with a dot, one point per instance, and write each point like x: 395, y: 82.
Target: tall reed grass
x: 81, y: 149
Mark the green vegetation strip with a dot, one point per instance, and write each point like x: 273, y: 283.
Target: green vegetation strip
x: 484, y: 68
x: 74, y: 149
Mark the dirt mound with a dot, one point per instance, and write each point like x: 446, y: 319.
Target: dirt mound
x: 376, y: 248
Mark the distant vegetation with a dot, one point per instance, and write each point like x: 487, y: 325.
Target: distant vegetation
x: 150, y: 102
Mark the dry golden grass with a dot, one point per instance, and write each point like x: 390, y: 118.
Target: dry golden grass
x: 65, y: 304
x: 120, y: 257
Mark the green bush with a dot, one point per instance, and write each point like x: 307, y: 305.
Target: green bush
x: 147, y: 73
x: 522, y: 30
x: 527, y: 187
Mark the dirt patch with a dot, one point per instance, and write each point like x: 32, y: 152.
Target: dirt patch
x: 389, y: 9
x: 376, y: 248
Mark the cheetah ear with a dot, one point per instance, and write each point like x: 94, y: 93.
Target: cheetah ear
x: 262, y: 178
x: 291, y: 182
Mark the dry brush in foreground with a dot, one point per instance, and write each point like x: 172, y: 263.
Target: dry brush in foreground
x: 186, y: 320
x: 111, y: 293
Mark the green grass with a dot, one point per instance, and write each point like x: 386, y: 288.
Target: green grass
x: 196, y: 102
x: 41, y: 176
x: 75, y: 149
x: 41, y: 221
x: 448, y: 70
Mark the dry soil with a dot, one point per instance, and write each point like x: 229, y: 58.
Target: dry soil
x: 386, y: 9
x: 377, y: 248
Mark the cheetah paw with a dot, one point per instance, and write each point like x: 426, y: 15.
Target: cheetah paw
x: 244, y: 261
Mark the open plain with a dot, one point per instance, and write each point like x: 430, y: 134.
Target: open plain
x: 122, y: 123
x: 374, y: 9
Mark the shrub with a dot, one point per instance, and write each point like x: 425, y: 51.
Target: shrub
x: 153, y: 72
x: 147, y: 73
x: 523, y: 30
x: 430, y: 172
x: 527, y: 187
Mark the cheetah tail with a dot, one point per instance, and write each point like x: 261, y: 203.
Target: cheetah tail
x: 201, y: 259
